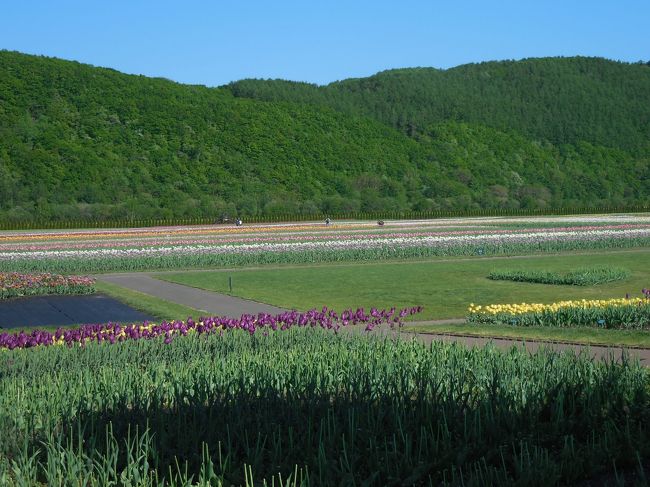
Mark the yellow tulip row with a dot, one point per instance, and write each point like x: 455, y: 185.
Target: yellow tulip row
x: 524, y: 308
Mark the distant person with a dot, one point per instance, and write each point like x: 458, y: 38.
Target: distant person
x: 238, y: 222
x: 327, y: 221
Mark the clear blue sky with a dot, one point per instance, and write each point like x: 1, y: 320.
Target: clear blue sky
x: 214, y: 42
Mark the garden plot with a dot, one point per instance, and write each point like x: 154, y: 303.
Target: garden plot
x: 212, y: 246
x: 293, y: 400
x: 307, y: 406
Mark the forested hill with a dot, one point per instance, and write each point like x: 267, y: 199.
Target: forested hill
x: 560, y: 100
x: 79, y: 141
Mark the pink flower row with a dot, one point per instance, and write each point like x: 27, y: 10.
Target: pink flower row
x: 13, y: 284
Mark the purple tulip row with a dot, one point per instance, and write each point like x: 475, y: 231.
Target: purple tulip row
x: 115, y: 332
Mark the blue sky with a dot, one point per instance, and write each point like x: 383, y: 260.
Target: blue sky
x: 214, y: 42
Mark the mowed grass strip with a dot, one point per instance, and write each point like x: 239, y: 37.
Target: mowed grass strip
x: 444, y: 288
x: 582, y: 335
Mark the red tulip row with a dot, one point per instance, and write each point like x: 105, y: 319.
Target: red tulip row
x: 14, y: 284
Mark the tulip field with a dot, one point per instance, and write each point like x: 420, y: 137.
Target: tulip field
x: 308, y: 406
x: 87, y: 251
x: 336, y: 395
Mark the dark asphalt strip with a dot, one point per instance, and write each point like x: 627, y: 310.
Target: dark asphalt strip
x: 61, y: 310
x: 66, y: 310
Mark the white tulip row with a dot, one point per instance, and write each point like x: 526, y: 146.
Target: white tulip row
x: 443, y: 241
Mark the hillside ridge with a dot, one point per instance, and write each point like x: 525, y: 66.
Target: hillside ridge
x: 78, y: 141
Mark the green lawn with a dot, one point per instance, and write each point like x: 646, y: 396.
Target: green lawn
x: 591, y: 336
x: 444, y: 287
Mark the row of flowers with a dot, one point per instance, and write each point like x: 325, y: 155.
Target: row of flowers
x: 340, y: 244
x: 606, y: 313
x: 115, y: 332
x: 523, y: 308
x: 314, y: 226
x: 14, y: 284
x: 211, y: 240
x: 159, y: 232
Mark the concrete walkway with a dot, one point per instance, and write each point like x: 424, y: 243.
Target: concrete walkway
x: 224, y: 305
x: 210, y: 302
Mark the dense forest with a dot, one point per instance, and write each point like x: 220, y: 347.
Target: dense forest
x: 78, y: 141
x: 560, y: 100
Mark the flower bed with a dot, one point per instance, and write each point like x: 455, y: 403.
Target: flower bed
x: 624, y: 313
x: 342, y: 249
x: 13, y: 284
x: 581, y: 277
x: 309, y: 407
x: 115, y: 332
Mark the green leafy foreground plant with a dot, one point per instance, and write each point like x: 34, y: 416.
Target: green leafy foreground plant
x: 580, y: 277
x: 308, y: 407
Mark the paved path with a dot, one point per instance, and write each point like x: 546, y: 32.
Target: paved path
x: 222, y: 304
x: 208, y: 301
